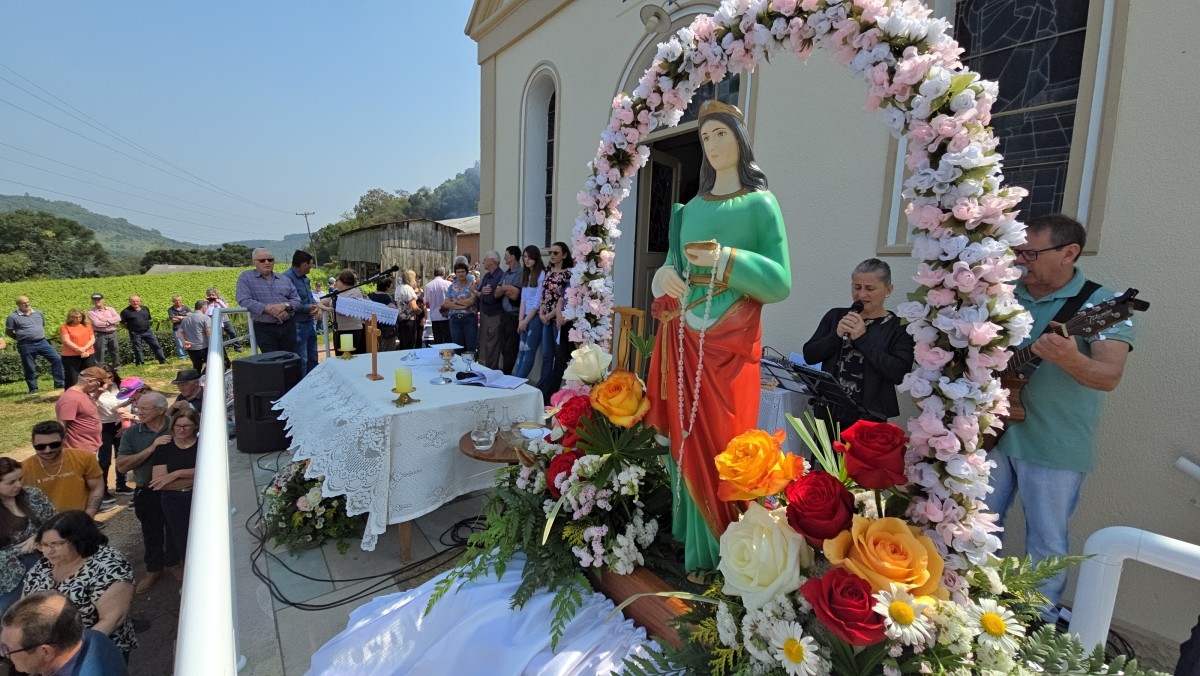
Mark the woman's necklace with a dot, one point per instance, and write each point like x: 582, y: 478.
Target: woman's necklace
x: 57, y: 472
x: 687, y: 432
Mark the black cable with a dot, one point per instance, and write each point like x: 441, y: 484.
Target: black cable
x: 387, y: 579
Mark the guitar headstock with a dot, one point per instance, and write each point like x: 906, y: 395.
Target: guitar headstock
x: 1096, y: 318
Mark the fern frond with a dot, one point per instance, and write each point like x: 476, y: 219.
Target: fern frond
x: 567, y: 600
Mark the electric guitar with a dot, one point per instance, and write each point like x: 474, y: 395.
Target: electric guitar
x: 1088, y: 322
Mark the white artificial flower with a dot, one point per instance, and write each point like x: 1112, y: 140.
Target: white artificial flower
x: 937, y: 82
x: 761, y: 556
x: 727, y: 630
x: 794, y: 650
x: 996, y: 625
x: 589, y: 364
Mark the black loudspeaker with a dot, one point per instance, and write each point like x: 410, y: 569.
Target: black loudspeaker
x: 258, y: 381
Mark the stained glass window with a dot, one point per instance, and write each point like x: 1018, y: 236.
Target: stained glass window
x: 1034, y: 50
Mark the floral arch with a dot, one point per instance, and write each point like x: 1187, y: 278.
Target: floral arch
x: 963, y: 315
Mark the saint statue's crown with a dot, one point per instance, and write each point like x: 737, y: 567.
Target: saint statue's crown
x: 714, y: 106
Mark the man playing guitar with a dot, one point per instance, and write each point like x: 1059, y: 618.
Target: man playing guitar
x: 1046, y: 456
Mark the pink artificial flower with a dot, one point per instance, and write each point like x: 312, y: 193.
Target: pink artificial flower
x: 928, y: 275
x: 932, y: 357
x: 978, y: 333
x: 787, y: 7
x: 961, y: 277
x: 940, y: 297
x: 925, y: 216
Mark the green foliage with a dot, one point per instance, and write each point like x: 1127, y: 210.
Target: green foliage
x: 38, y: 245
x: 116, y: 235
x: 1021, y: 580
x: 1063, y: 654
x: 227, y: 256
x: 296, y: 516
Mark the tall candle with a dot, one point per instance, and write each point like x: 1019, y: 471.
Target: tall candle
x: 347, y: 342
x: 404, y: 379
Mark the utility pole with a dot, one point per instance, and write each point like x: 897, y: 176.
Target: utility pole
x: 306, y: 214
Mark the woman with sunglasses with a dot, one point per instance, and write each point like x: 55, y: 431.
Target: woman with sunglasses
x: 25, y: 509
x: 172, y: 473
x: 80, y: 565
x: 556, y: 348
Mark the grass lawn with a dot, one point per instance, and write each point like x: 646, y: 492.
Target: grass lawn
x: 20, y: 410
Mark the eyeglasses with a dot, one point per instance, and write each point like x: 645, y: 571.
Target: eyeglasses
x: 42, y: 447
x: 184, y: 426
x: 58, y: 544
x: 1032, y: 254
x: 5, y: 651
x: 264, y: 260
x: 555, y: 253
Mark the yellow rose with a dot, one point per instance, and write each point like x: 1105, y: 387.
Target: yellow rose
x: 621, y: 398
x: 588, y: 364
x: 754, y: 465
x: 887, y: 550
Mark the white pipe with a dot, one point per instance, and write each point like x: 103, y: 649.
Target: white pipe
x: 207, y: 640
x: 1188, y: 467
x: 1099, y: 576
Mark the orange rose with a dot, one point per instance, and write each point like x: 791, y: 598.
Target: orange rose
x: 754, y: 465
x: 621, y: 397
x: 887, y: 550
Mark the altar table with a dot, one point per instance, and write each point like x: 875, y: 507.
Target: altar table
x: 393, y: 464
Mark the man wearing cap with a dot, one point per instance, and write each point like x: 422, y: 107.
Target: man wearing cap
x: 105, y: 321
x: 137, y: 446
x: 28, y: 327
x: 69, y: 477
x: 136, y: 318
x: 191, y: 392
x: 272, y: 301
x: 76, y: 410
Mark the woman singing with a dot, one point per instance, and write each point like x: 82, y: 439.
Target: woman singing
x: 728, y: 256
x: 876, y: 355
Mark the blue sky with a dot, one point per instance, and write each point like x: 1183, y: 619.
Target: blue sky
x: 294, y: 106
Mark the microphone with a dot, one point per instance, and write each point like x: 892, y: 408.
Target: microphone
x: 856, y: 307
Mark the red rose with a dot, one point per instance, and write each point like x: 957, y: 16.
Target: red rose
x: 819, y: 506
x: 572, y: 412
x: 560, y: 464
x: 874, y: 454
x: 842, y: 602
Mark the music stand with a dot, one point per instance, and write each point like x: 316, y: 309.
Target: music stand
x: 822, y: 388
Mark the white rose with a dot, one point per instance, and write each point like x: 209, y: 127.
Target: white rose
x: 589, y: 364
x: 761, y: 556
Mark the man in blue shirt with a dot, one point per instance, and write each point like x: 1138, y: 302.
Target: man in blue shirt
x: 43, y: 634
x: 306, y: 326
x: 1047, y: 456
x: 491, y: 311
x: 272, y: 301
x: 28, y: 327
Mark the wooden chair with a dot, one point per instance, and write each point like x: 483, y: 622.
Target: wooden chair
x: 627, y: 320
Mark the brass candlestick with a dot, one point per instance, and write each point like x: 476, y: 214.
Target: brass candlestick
x: 404, y: 399
x: 345, y: 354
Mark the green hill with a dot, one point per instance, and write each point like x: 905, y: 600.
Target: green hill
x: 117, y: 235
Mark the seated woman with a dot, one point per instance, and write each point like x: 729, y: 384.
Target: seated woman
x: 80, y: 565
x: 867, y: 352
x: 172, y: 473
x: 351, y: 326
x: 26, y: 508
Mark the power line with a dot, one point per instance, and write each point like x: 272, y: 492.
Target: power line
x: 99, y: 126
x: 122, y: 192
x: 118, y: 206
x: 220, y: 212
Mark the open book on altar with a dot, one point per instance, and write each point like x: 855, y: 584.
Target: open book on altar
x: 489, y: 378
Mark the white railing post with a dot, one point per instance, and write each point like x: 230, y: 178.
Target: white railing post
x: 206, y: 641
x: 1109, y: 548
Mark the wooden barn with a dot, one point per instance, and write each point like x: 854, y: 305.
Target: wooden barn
x: 417, y: 244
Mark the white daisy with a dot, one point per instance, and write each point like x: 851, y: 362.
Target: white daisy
x: 797, y: 652
x: 998, y: 628
x: 904, y: 617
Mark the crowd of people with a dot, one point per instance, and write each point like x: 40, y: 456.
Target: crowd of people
x: 89, y: 338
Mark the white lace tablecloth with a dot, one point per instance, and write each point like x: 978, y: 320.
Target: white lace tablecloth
x: 394, y: 464
x: 773, y: 404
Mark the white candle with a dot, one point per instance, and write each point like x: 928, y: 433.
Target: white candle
x: 347, y: 342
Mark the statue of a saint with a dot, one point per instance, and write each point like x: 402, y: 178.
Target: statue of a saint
x: 728, y: 256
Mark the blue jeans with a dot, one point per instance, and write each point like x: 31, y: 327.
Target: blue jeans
x: 464, y: 330
x: 306, y: 346
x: 531, y: 340
x: 179, y: 351
x: 137, y: 337
x: 1048, y: 499
x: 549, y: 349
x: 29, y: 352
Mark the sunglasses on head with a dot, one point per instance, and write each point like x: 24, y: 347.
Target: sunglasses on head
x: 42, y: 447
